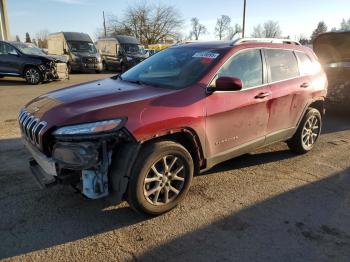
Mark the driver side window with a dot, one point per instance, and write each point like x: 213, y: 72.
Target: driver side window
x: 6, y: 49
x: 247, y: 66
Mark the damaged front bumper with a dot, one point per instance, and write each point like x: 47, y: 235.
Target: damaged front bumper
x: 54, y: 71
x: 92, y: 164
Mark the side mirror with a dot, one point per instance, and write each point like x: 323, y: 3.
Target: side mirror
x: 225, y: 83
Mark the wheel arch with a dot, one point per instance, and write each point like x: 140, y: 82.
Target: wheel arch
x: 318, y: 104
x: 26, y: 66
x: 187, y: 138
x: 121, y: 168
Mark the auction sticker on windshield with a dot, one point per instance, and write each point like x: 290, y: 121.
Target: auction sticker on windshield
x: 208, y: 55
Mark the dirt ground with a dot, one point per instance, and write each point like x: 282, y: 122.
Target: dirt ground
x: 270, y: 205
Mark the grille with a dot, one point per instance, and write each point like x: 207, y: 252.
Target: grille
x: 31, y: 127
x: 90, y: 60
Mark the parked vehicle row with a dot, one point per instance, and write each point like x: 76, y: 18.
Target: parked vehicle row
x: 69, y: 52
x: 144, y: 134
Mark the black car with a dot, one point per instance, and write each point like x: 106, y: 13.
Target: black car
x: 27, y: 61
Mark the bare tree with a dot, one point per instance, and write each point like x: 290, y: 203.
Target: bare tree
x: 258, y: 31
x: 233, y: 31
x: 222, y: 26
x: 149, y: 23
x: 197, y: 28
x: 42, y: 36
x: 270, y: 29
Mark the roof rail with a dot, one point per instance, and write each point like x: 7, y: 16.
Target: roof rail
x: 266, y: 40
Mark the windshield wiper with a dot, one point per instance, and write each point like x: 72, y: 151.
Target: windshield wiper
x: 117, y: 77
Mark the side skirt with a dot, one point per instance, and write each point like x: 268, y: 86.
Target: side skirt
x: 279, y: 136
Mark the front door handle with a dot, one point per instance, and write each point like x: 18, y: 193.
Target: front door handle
x: 305, y: 85
x: 262, y: 95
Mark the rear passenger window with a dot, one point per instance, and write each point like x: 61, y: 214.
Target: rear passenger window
x: 306, y: 65
x: 246, y: 66
x: 283, y: 64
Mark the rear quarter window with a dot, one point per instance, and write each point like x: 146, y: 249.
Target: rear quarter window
x: 306, y: 65
x: 283, y: 64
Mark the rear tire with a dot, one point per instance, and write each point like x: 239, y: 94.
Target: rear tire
x: 32, y: 75
x: 307, y: 133
x: 161, y: 178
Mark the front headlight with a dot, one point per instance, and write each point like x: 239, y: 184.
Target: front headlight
x: 88, y: 128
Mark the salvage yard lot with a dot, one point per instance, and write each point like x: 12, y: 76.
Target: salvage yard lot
x: 269, y: 205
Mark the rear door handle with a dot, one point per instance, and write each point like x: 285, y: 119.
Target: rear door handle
x: 305, y: 85
x: 262, y: 95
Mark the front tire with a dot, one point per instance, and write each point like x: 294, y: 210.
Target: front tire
x: 161, y: 178
x: 307, y: 133
x: 33, y: 76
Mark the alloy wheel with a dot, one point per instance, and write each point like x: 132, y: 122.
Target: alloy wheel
x: 32, y: 76
x: 311, y: 131
x: 165, y: 180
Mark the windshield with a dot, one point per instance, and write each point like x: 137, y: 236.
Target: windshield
x: 28, y: 49
x: 174, y: 67
x: 133, y: 49
x: 82, y: 47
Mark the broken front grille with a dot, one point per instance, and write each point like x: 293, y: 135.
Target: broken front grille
x: 31, y: 127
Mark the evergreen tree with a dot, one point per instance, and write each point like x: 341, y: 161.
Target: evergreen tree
x: 321, y: 28
x: 28, y: 40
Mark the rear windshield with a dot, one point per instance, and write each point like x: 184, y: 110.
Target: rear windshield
x: 174, y: 68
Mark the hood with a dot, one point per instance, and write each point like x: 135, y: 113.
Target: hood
x: 57, y: 59
x: 333, y: 47
x: 94, y: 101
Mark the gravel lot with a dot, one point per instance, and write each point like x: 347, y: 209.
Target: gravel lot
x: 270, y: 205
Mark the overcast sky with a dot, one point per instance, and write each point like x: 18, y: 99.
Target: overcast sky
x: 295, y: 17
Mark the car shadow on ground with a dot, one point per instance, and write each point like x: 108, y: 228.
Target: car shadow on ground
x: 310, y: 223
x: 55, y: 215
x: 12, y: 82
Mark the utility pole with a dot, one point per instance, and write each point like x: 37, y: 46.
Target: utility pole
x: 244, y: 11
x: 104, y: 23
x: 4, y: 27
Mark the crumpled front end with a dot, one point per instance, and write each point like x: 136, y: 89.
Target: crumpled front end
x: 81, y: 160
x: 54, y: 70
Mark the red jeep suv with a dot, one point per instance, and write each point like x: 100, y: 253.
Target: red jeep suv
x: 143, y: 135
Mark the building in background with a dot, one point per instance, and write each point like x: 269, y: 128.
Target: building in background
x: 4, y: 29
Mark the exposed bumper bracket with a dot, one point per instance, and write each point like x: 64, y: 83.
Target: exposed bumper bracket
x: 43, y: 179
